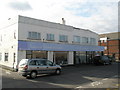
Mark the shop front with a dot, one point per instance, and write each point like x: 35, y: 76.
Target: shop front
x: 36, y: 54
x: 61, y: 54
x: 83, y: 57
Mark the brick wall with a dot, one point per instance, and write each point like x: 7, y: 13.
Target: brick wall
x: 112, y: 46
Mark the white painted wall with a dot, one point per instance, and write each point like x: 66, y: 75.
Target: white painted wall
x: 8, y: 44
x: 50, y: 55
x: 70, y: 58
x: 44, y: 27
x: 21, y: 55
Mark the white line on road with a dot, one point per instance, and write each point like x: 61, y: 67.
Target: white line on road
x: 80, y: 87
x: 96, y: 83
x: 8, y: 72
x: 105, y: 79
x: 32, y: 80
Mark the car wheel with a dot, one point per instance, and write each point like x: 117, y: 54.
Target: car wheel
x: 58, y: 72
x: 33, y: 75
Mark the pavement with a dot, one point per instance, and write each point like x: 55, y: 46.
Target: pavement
x: 74, y: 77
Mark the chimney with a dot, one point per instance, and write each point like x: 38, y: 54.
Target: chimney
x: 63, y: 21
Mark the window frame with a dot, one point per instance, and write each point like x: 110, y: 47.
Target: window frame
x: 50, y: 37
x: 86, y: 40
x: 6, y: 57
x: 63, y: 38
x: 92, y: 41
x: 76, y: 39
x: 34, y: 35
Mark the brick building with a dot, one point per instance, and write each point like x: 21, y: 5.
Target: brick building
x: 111, y: 42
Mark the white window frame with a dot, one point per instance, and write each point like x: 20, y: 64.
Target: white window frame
x: 85, y: 40
x: 76, y: 39
x: 63, y: 38
x: 31, y: 35
x: 50, y: 37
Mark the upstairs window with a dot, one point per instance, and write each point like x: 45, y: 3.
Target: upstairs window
x: 63, y: 38
x: 34, y: 35
x: 50, y: 37
x: 92, y: 41
x: 85, y: 40
x: 76, y: 39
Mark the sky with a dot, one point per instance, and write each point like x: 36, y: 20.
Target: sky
x: 100, y: 16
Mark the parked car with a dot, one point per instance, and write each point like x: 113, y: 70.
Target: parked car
x: 97, y: 60
x: 34, y: 67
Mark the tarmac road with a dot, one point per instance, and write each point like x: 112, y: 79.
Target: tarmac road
x: 76, y: 77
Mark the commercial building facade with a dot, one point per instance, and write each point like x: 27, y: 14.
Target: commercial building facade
x: 111, y: 42
x: 25, y: 37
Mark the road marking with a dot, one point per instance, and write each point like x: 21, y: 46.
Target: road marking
x: 80, y: 87
x: 32, y: 80
x: 8, y: 72
x: 96, y: 83
x: 105, y: 79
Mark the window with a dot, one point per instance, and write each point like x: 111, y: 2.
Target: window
x: 28, y: 54
x: 49, y: 63
x: 33, y: 62
x: 85, y: 40
x: 76, y: 39
x: 92, y: 40
x: 0, y: 56
x: 6, y: 56
x: 14, y: 56
x: 14, y: 35
x: 63, y: 38
x: 34, y: 35
x: 50, y: 37
x: 42, y: 62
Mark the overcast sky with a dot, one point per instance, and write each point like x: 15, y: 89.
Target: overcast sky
x: 100, y: 16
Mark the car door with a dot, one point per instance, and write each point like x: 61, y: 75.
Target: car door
x: 33, y: 65
x: 50, y: 67
x: 42, y: 67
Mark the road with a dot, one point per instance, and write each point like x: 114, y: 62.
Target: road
x: 82, y: 76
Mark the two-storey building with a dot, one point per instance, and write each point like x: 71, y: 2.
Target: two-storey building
x: 24, y: 37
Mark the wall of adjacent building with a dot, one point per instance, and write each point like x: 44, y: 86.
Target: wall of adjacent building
x: 8, y: 41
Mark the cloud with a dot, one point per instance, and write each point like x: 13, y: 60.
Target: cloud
x: 100, y: 16
x: 18, y: 5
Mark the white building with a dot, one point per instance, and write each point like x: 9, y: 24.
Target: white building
x: 24, y: 37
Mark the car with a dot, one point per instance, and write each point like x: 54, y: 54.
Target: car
x: 97, y: 60
x: 34, y: 67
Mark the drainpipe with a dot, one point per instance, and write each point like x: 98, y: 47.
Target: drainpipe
x: 107, y: 46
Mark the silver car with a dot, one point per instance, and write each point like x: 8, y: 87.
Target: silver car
x: 33, y: 67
